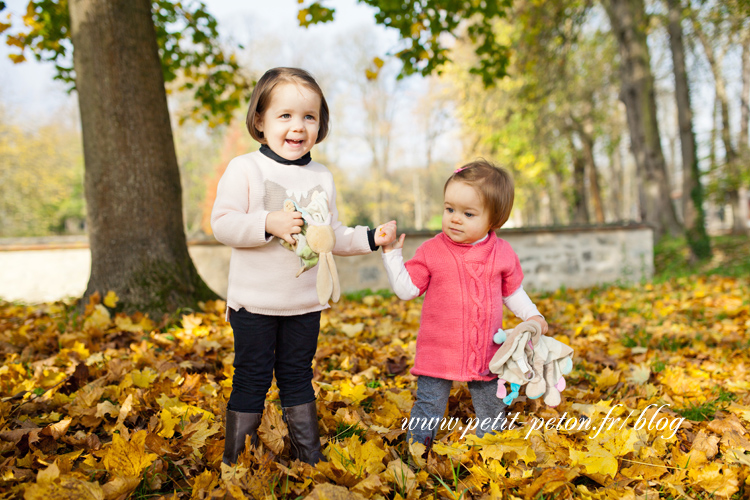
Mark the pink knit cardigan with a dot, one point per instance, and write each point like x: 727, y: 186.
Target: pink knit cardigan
x: 464, y: 286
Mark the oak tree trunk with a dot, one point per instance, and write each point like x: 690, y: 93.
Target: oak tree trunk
x: 132, y: 181
x: 692, y: 190
x: 628, y: 21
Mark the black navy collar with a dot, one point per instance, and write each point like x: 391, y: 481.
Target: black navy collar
x: 304, y: 160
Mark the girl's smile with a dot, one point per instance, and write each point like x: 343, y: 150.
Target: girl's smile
x: 290, y: 123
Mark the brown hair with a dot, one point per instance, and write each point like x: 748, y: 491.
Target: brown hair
x: 494, y: 184
x: 263, y: 91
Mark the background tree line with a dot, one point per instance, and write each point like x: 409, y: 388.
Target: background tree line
x: 588, y: 103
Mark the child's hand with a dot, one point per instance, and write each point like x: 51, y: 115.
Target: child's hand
x: 541, y: 322
x: 399, y: 243
x: 385, y: 234
x: 284, y: 224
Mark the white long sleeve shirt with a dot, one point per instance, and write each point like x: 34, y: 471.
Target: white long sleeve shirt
x: 519, y: 303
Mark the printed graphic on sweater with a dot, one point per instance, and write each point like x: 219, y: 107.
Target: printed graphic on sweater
x: 275, y: 194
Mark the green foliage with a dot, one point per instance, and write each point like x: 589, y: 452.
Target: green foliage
x: 422, y: 24
x: 191, y: 55
x: 730, y: 257
x: 41, y: 180
x: 47, y: 36
x: 560, y: 93
x: 313, y: 14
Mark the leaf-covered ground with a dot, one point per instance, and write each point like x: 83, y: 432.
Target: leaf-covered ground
x: 95, y: 406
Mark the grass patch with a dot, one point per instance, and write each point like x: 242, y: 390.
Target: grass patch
x: 707, y: 410
x: 361, y: 294
x: 344, y: 431
x: 730, y: 257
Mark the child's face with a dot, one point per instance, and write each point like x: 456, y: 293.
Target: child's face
x: 290, y: 123
x: 465, y: 219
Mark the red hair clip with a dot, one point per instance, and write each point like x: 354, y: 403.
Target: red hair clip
x: 459, y: 169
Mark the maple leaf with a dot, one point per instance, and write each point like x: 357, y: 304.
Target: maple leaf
x: 128, y: 458
x: 171, y: 385
x: 607, y: 378
x: 52, y: 486
x: 355, y: 392
x: 352, y: 331
x: 401, y: 476
x: 329, y: 491
x: 197, y: 432
x: 58, y: 430
x: 716, y: 479
x: 120, y: 488
x: 371, y: 486
x: 110, y: 300
x: 596, y: 460
x: 99, y: 319
x: 706, y: 443
x: 205, y: 483
x: 648, y: 470
x: 272, y: 429
x: 168, y: 422
x: 549, y: 481
x: 143, y: 378
x: 639, y: 374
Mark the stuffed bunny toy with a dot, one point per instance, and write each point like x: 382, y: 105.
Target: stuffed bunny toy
x: 529, y: 358
x: 314, y: 245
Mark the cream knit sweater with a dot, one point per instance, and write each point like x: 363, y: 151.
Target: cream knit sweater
x: 261, y: 271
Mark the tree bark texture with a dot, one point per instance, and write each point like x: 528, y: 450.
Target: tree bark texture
x: 628, y: 21
x: 692, y: 190
x: 580, y: 198
x: 593, y: 176
x: 744, y: 147
x: 132, y: 181
x: 617, y: 186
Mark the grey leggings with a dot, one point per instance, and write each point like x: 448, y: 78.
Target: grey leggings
x: 432, y: 399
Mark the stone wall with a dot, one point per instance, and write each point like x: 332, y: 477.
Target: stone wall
x: 43, y: 270
x: 550, y: 258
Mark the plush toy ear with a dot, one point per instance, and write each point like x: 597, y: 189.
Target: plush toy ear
x: 324, y: 284
x: 336, y: 292
x: 566, y: 366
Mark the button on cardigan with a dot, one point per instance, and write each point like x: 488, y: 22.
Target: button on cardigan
x: 464, y: 286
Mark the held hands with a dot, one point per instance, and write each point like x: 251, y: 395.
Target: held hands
x: 284, y: 224
x: 385, y: 234
x: 399, y: 243
x: 541, y: 322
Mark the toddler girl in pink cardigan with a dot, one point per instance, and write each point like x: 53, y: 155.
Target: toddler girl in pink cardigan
x: 466, y: 273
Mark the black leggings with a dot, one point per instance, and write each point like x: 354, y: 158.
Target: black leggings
x: 266, y: 344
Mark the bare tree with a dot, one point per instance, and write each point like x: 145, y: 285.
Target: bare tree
x: 629, y: 21
x: 692, y: 190
x: 715, y: 48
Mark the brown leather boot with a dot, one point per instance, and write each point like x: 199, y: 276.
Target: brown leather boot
x: 239, y: 425
x: 302, y: 421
